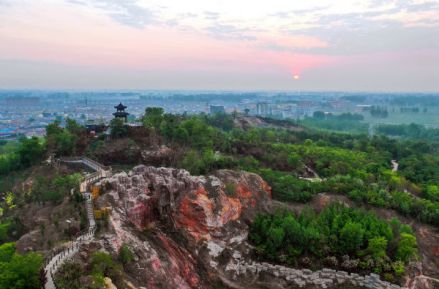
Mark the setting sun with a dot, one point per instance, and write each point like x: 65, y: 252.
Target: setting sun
x: 296, y: 77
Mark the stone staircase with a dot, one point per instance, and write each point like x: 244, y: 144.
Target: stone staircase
x: 66, y: 253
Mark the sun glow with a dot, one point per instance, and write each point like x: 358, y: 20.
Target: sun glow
x: 296, y: 77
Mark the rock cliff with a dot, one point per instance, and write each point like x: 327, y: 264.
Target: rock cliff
x: 179, y: 225
x: 191, y: 232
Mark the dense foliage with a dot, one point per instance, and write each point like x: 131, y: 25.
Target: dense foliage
x: 54, y: 189
x: 27, y: 152
x: 345, y: 122
x: 349, y: 238
x: 118, y: 128
x: 357, y: 166
x: 101, y: 265
x: 19, y: 271
x: 410, y: 131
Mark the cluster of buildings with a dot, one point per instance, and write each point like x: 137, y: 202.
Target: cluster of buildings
x: 282, y: 109
x: 27, y: 113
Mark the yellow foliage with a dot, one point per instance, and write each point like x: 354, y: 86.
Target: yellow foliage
x: 95, y: 191
x: 104, y: 212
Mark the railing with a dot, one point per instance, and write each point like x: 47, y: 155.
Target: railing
x: 60, y: 255
x: 87, y: 161
x: 64, y: 255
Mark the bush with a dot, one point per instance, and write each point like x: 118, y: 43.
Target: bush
x: 68, y: 276
x: 118, y: 128
x: 407, y: 247
x: 338, y: 231
x: 125, y: 255
x: 19, y: 271
x: 54, y: 190
x: 102, y: 264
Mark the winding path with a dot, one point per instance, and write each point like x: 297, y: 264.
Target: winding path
x: 395, y: 165
x: 58, y: 258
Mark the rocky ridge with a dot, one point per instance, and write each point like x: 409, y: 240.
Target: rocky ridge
x: 191, y: 232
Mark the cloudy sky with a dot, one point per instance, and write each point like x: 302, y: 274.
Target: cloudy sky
x: 362, y: 45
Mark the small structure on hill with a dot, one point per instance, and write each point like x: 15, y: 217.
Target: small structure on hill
x: 120, y: 112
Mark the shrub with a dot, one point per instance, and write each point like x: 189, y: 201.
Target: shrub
x: 125, y: 254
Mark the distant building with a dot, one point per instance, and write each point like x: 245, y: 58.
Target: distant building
x: 363, y: 107
x: 7, y: 133
x: 120, y: 112
x: 214, y: 109
x: 338, y: 104
x: 262, y: 108
x: 96, y: 128
x: 22, y: 101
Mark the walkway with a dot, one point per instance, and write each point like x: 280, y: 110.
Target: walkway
x: 395, y: 165
x: 58, y: 258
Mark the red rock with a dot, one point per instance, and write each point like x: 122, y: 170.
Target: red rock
x: 196, y: 206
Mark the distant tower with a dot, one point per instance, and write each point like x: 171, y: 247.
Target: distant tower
x: 120, y: 112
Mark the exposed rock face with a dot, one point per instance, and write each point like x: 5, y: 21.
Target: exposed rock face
x: 208, y: 213
x: 157, y: 155
x: 191, y: 232
x: 121, y: 151
x: 198, y: 205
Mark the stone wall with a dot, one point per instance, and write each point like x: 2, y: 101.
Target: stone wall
x: 324, y: 278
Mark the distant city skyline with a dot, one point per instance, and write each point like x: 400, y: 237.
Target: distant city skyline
x: 318, y: 45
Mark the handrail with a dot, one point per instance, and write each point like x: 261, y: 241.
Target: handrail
x: 87, y: 161
x: 57, y: 257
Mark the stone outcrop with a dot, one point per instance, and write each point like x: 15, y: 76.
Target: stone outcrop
x: 191, y: 232
x: 197, y: 205
x: 157, y: 155
x: 173, y: 221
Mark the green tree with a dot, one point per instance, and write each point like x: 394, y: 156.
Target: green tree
x: 193, y: 162
x: 377, y: 247
x: 65, y: 143
x: 21, y: 271
x: 73, y: 127
x: 153, y: 117
x: 275, y: 239
x: 68, y: 276
x: 4, y: 228
x: 7, y: 251
x: 53, y: 128
x: 351, y: 237
x: 102, y: 263
x: 118, y: 128
x: 125, y: 254
x: 62, y: 141
x: 432, y: 193
x: 407, y: 247
x: 30, y: 151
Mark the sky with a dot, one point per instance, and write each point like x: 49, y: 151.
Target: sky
x: 352, y: 45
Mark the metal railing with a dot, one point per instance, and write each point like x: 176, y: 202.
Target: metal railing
x: 87, y: 161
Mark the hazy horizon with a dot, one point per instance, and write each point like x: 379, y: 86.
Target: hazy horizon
x: 320, y: 45
x: 225, y: 91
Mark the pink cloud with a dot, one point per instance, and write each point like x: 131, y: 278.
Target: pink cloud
x: 156, y: 48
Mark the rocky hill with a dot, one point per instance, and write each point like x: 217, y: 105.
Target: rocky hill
x: 182, y: 228
x: 191, y: 232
